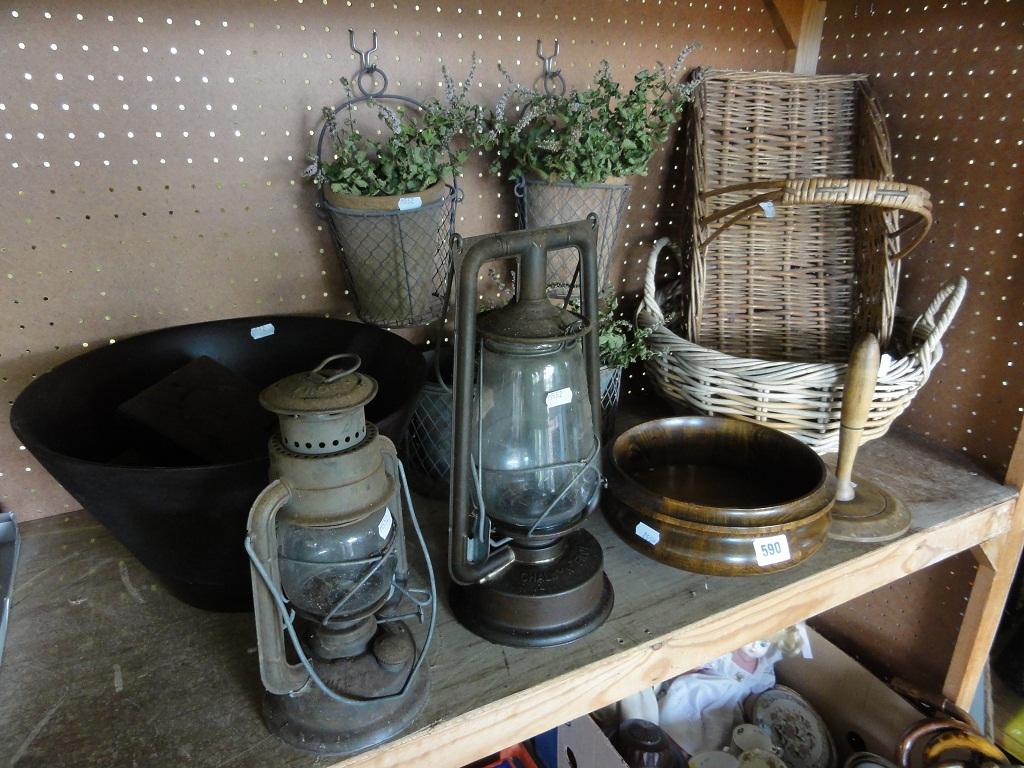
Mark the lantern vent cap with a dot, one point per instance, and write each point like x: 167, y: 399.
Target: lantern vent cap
x: 532, y: 321
x: 322, y: 390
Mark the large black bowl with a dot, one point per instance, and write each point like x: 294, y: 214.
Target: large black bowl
x: 187, y: 523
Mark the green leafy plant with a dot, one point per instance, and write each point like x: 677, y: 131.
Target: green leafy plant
x: 619, y: 344
x: 425, y: 147
x: 585, y: 137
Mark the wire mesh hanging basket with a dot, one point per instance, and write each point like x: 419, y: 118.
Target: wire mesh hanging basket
x: 611, y: 390
x: 395, y: 251
x: 427, y: 447
x: 397, y: 261
x: 544, y: 203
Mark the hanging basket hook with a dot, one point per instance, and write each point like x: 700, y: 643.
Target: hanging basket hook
x: 364, y: 56
x: 552, y: 77
x: 368, y: 68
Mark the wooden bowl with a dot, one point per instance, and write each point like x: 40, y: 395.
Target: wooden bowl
x: 717, y: 495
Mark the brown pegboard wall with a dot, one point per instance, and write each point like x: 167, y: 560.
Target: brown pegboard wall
x: 152, y: 153
x: 908, y: 628
x: 948, y: 75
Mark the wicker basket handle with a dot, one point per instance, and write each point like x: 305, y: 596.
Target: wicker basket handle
x: 821, y: 191
x: 939, y: 315
x: 649, y: 301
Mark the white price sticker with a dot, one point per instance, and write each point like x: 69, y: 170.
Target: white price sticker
x: 648, y: 534
x: 385, y: 524
x: 262, y: 331
x: 771, y: 550
x: 559, y: 397
x: 409, y: 203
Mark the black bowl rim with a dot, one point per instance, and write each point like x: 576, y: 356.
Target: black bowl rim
x: 38, y: 449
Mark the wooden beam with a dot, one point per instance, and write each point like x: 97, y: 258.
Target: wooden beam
x: 808, y: 44
x: 799, y: 24
x: 997, y: 564
x: 787, y: 16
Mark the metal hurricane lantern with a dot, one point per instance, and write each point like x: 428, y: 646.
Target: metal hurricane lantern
x: 526, y: 449
x: 329, y: 570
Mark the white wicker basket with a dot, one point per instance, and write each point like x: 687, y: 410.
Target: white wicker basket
x: 803, y: 399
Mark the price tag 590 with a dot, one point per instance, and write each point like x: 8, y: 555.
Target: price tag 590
x: 771, y: 550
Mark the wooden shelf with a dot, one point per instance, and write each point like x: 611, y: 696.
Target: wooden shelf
x: 103, y: 668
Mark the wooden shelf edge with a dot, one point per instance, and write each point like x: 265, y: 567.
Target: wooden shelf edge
x: 527, y: 713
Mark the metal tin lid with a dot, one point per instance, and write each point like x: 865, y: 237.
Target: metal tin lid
x: 322, y: 390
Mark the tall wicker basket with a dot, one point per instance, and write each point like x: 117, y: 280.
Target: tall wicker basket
x: 790, y: 252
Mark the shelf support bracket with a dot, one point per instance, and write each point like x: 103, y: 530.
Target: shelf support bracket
x: 997, y: 563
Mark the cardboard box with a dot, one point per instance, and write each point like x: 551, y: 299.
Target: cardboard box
x: 578, y: 744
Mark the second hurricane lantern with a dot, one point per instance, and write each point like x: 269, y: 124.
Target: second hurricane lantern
x: 526, y: 449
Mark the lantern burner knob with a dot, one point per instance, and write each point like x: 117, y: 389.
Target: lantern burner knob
x: 391, y: 651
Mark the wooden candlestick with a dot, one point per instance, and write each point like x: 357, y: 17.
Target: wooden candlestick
x: 863, y: 511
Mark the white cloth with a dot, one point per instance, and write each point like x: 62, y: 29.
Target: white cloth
x: 643, y: 705
x: 699, y: 709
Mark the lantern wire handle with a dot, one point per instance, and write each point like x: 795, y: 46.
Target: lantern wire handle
x: 482, y: 531
x: 352, y: 368
x: 377, y: 561
x: 288, y: 617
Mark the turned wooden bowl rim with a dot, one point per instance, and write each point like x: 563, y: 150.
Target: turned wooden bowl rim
x: 631, y: 492
x: 670, y: 523
x: 717, y: 550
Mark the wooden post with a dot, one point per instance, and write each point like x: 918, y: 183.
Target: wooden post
x: 799, y: 24
x: 997, y: 564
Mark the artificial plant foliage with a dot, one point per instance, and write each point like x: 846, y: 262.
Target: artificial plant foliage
x: 585, y: 137
x: 425, y: 147
x: 619, y: 343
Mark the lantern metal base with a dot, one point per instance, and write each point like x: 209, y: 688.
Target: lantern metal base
x: 541, y: 604
x: 310, y: 721
x: 872, y: 515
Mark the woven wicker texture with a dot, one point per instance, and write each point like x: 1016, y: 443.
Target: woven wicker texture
x: 787, y: 258
x: 793, y: 286
x: 397, y: 263
x: 803, y: 399
x: 544, y: 204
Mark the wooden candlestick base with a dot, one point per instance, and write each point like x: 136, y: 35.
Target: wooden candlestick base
x: 872, y: 515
